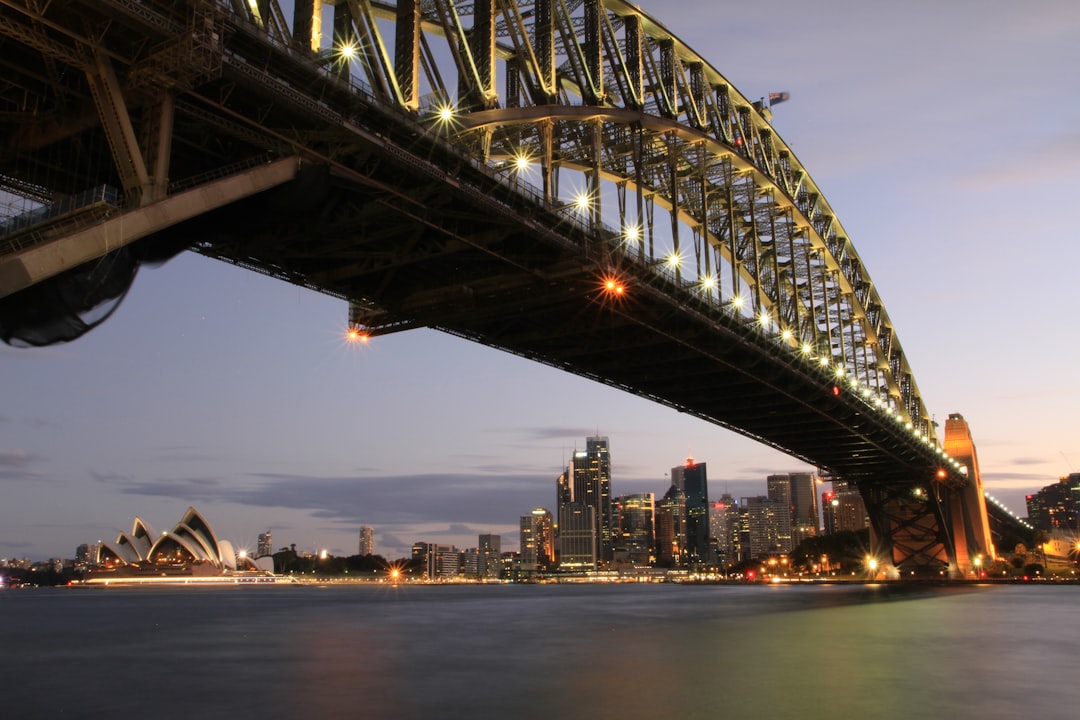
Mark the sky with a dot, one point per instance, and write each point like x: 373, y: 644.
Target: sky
x: 946, y: 137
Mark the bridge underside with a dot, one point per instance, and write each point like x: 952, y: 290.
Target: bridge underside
x: 405, y: 222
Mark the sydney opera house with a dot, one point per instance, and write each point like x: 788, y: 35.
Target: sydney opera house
x: 190, y: 549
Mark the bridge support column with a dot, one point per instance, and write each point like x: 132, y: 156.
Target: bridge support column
x: 971, y: 524
x: 407, y: 52
x: 119, y: 131
x: 909, y: 529
x: 307, y: 25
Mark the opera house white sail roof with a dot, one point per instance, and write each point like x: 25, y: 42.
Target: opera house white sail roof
x: 189, y: 545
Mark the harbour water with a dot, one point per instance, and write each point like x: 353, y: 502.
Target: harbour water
x: 542, y: 651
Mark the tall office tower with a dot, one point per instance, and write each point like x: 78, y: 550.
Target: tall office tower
x: 691, y: 478
x: 537, y: 541
x: 779, y: 491
x: 768, y: 527
x: 671, y: 528
x: 723, y: 527
x: 589, y: 483
x: 797, y: 491
x: 635, y: 515
x: 490, y: 549
x: 844, y: 509
x: 490, y: 544
x: 577, y: 537
x: 266, y: 544
x: 367, y: 540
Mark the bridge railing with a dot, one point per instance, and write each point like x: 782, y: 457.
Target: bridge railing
x: 30, y: 228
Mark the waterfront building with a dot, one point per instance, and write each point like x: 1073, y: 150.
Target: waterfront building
x: 1056, y: 507
x: 798, y: 492
x: 537, y: 541
x: 723, y: 527
x: 577, y: 537
x: 635, y: 539
x: 490, y: 549
x: 843, y: 509
x: 265, y: 546
x: 692, y: 480
x: 367, y: 540
x: 766, y: 529
x: 671, y: 528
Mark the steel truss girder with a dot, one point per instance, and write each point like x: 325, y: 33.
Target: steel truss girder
x: 911, y: 526
x: 604, y: 90
x: 609, y: 57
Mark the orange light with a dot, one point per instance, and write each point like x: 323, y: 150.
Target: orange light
x: 941, y: 473
x: 356, y: 336
x: 612, y: 286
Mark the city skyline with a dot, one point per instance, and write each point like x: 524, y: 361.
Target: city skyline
x: 942, y: 134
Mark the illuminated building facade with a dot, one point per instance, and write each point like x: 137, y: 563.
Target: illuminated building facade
x: 843, y: 509
x: 490, y: 549
x: 636, y: 538
x: 367, y: 540
x: 1057, y: 506
x: 798, y: 491
x: 692, y: 479
x: 671, y: 528
x: 723, y: 527
x: 537, y: 541
x: 767, y: 527
x: 587, y: 481
x: 577, y: 537
x: 191, y: 547
x: 265, y: 546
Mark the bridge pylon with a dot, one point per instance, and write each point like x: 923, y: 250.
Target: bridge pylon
x: 970, y: 522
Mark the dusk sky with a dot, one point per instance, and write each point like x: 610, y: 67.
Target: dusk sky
x: 944, y: 133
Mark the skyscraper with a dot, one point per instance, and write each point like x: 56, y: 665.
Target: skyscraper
x: 805, y: 522
x: 767, y: 527
x: 587, y: 481
x: 796, y: 493
x: 723, y: 527
x: 537, y: 541
x: 635, y: 538
x: 844, y: 509
x: 691, y: 478
x: 367, y: 540
x: 266, y: 544
x: 577, y: 537
x: 671, y: 528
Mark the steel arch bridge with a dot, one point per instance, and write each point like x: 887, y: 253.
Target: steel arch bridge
x: 562, y: 179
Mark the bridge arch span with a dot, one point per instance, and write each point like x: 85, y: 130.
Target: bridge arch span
x: 408, y: 117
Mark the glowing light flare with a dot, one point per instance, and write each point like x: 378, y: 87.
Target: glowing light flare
x: 674, y: 260
x: 348, y: 50
x: 613, y: 286
x: 786, y: 335
x: 356, y: 335
x: 521, y: 163
x: 632, y: 233
x: 708, y: 282
x: 764, y: 319
x: 582, y: 201
x: 737, y: 301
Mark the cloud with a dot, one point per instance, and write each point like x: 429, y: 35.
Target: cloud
x: 553, y: 432
x: 458, y: 499
x: 14, y: 465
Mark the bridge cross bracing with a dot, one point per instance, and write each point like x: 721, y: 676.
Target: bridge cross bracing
x: 499, y: 170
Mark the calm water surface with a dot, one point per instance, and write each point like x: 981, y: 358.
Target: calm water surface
x: 542, y: 651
